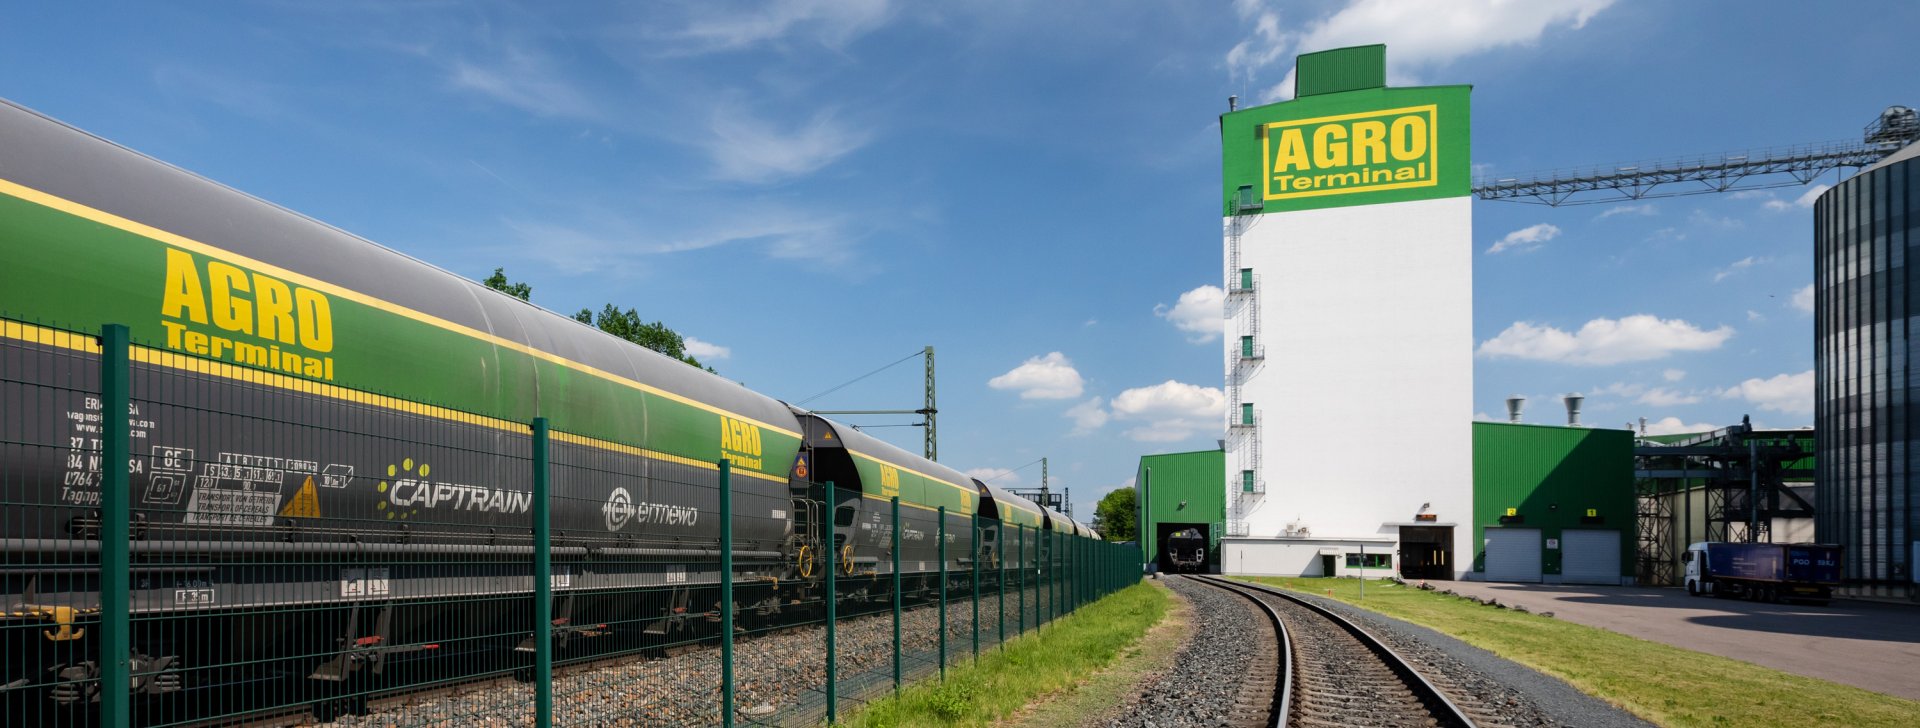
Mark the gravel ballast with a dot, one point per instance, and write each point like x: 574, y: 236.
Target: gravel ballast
x: 1201, y: 686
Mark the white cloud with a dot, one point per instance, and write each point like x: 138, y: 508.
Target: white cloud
x: 1199, y: 312
x: 1804, y: 201
x: 1639, y: 337
x: 1738, y: 266
x: 1419, y: 35
x: 1788, y: 393
x: 1803, y: 299
x: 526, y: 80
x: 1484, y: 417
x: 1646, y: 209
x: 1673, y: 375
x: 1171, y: 411
x: 1663, y: 397
x: 1087, y: 416
x: 747, y: 149
x: 1674, y: 426
x: 831, y: 23
x: 1702, y: 218
x: 704, y: 350
x: 1755, y: 316
x: 1042, y: 377
x: 1526, y: 238
x: 998, y: 477
x: 1619, y: 389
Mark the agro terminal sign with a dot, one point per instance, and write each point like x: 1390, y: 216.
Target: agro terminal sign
x: 1335, y: 155
x: 1347, y: 140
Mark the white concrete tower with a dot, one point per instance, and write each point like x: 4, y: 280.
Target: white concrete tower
x: 1349, y: 269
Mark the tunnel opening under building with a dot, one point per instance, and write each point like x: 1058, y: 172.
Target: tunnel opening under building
x: 1426, y: 552
x: 1178, y: 555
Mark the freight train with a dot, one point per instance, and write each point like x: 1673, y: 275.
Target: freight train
x: 1187, y: 550
x: 331, y: 462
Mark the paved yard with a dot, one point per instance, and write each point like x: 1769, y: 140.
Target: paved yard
x: 1866, y: 644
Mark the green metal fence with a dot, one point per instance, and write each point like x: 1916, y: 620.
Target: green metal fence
x: 282, y: 552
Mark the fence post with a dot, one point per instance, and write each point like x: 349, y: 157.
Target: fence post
x: 1000, y: 587
x: 542, y: 579
x: 976, y: 586
x: 896, y: 594
x: 943, y: 593
x: 833, y: 607
x: 1021, y: 611
x: 116, y: 613
x: 1038, y: 582
x: 726, y: 592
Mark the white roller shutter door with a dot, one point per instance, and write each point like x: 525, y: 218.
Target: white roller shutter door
x: 1513, y: 554
x: 1590, y: 557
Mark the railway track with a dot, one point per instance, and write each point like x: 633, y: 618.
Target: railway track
x: 1330, y: 672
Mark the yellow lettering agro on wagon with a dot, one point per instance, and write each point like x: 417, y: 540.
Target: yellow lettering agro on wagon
x: 740, y: 443
x: 220, y: 311
x: 1364, y: 152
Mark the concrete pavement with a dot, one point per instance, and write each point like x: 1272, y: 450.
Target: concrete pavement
x: 1871, y: 645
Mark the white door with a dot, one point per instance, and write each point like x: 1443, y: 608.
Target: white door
x: 1590, y: 557
x: 1513, y: 554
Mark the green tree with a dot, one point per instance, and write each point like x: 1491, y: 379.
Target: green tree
x: 628, y: 325
x: 1117, y: 517
x: 498, y: 281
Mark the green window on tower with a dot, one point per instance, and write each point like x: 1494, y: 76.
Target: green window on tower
x: 1246, y: 481
x: 1246, y: 346
x: 1246, y: 279
x: 1246, y: 413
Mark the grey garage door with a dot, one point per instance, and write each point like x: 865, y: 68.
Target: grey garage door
x: 1513, y: 554
x: 1590, y: 557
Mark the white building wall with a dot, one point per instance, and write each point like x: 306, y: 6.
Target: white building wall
x: 1365, y: 391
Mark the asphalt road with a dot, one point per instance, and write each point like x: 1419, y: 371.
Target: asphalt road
x: 1870, y: 645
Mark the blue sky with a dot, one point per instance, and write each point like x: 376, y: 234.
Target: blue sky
x: 815, y: 189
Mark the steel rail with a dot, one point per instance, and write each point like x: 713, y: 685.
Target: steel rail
x: 1283, y: 686
x: 1436, y: 701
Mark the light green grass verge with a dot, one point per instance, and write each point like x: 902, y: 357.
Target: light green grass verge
x: 1664, y: 684
x: 1059, y: 656
x: 1102, y: 697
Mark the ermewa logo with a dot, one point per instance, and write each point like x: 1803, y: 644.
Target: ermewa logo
x: 621, y: 508
x: 1364, y: 152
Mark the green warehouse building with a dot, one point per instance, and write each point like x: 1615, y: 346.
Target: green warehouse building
x: 1183, y: 490
x: 1551, y: 504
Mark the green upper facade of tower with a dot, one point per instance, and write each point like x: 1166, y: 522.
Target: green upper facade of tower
x: 1346, y: 139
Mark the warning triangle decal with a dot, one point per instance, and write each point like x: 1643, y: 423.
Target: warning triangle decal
x: 305, y: 504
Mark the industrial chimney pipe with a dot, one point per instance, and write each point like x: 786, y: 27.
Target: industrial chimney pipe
x: 1573, y: 409
x: 1514, y: 403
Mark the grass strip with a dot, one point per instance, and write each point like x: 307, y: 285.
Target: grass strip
x: 1103, y: 696
x: 1661, y: 683
x: 1057, y: 657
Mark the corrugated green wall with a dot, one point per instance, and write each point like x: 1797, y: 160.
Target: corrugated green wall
x: 1550, y: 476
x: 1199, y: 479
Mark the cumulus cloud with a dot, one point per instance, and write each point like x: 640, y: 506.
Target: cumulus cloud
x: 1674, y: 426
x: 1639, y: 337
x: 1526, y: 238
x: 1788, y: 393
x: 1199, y: 312
x: 1087, y: 416
x: 1803, y: 299
x: 1421, y: 35
x: 1042, y: 377
x: 704, y: 350
x: 1804, y: 201
x: 1170, y: 411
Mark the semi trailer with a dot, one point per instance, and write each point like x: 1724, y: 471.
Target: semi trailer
x: 1763, y: 571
